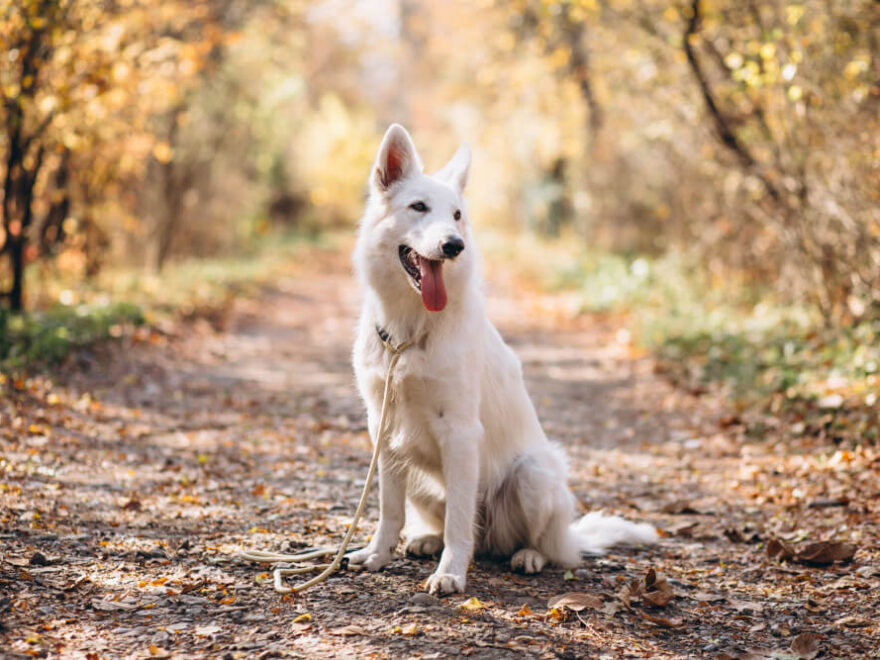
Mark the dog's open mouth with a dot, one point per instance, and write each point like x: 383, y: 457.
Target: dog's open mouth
x: 426, y: 276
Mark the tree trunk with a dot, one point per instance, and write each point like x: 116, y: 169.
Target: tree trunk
x: 51, y: 232
x: 172, y: 193
x: 16, y: 258
x: 19, y: 180
x: 579, y: 67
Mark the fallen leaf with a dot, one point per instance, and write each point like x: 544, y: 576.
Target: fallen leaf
x: 473, y: 604
x: 17, y: 561
x: 679, y: 507
x: 843, y: 584
x: 826, y: 552
x: 778, y: 549
x: 657, y: 591
x: 821, y: 553
x: 684, y: 528
x: 575, y: 601
x: 852, y: 622
x: 658, y: 598
x: 671, y: 622
x: 556, y: 614
x: 302, y: 618
x: 806, y: 645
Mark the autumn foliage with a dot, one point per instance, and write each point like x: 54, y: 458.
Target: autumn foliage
x: 742, y: 135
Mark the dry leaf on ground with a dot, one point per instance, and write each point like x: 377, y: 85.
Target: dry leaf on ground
x: 826, y: 552
x: 779, y: 550
x: 679, y: 507
x: 666, y: 622
x: 575, y: 601
x: 821, y: 553
x: 806, y: 646
x: 473, y: 604
x: 657, y: 591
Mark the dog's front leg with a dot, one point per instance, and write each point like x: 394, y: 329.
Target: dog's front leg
x: 461, y: 471
x: 392, y: 493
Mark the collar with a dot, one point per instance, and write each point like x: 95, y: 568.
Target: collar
x: 385, y: 338
x: 384, y: 335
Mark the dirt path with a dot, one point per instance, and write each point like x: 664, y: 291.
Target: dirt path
x: 129, y: 479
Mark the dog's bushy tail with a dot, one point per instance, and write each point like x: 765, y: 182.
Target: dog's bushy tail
x: 597, y: 532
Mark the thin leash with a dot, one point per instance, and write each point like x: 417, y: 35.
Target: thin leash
x: 339, y: 558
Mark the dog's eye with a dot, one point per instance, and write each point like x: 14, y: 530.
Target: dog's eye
x: 457, y: 215
x: 419, y: 206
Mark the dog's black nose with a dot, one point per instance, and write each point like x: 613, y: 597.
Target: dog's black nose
x: 453, y: 247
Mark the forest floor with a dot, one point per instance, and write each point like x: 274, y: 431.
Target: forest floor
x: 130, y: 475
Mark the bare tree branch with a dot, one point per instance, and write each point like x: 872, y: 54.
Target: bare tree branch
x: 579, y: 66
x: 722, y: 123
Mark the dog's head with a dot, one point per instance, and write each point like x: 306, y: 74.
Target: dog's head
x: 418, y: 219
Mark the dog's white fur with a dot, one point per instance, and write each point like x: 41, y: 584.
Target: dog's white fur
x: 467, y: 467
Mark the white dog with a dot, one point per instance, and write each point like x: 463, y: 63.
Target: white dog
x: 466, y: 465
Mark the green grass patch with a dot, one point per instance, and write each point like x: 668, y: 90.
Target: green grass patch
x: 46, y: 337
x: 71, y: 313
x: 187, y: 286
x: 725, y: 335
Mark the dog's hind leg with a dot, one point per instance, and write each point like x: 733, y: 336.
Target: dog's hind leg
x: 530, y: 514
x: 424, y: 528
x: 528, y: 560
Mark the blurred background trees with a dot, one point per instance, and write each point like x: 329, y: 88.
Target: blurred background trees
x: 741, y: 135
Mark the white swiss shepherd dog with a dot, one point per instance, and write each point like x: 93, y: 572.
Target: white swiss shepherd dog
x: 466, y: 467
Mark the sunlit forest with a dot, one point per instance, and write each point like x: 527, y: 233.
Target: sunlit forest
x: 742, y: 136
x: 690, y: 185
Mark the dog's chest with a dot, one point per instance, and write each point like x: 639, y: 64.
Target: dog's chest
x: 413, y: 437
x: 413, y: 447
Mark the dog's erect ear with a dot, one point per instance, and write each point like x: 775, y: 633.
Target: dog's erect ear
x: 397, y: 158
x: 455, y: 171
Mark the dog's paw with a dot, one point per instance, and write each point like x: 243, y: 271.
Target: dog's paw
x: 441, y: 584
x: 424, y: 546
x: 369, y: 558
x: 528, y: 560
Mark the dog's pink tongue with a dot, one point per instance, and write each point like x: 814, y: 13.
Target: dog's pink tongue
x: 433, y: 290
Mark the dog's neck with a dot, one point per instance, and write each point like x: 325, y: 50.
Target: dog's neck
x: 403, y: 319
